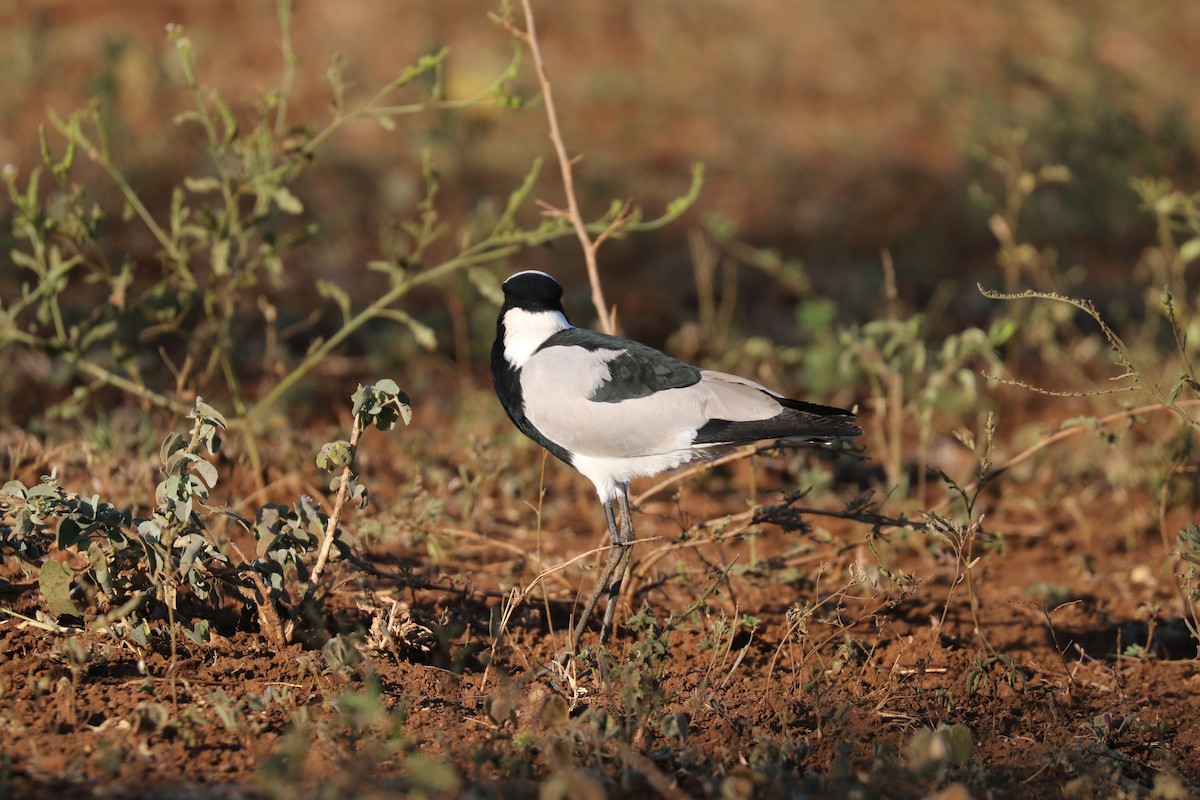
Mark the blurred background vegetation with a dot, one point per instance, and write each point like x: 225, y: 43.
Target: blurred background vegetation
x: 830, y: 132
x: 220, y: 226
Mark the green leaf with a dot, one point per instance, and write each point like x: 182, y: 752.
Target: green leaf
x: 337, y: 294
x: 334, y: 455
x: 26, y: 260
x: 151, y: 528
x: 96, y: 333
x: 171, y: 443
x: 399, y: 406
x: 424, y: 334
x: 140, y: 633
x: 201, y: 185
x: 287, y: 202
x: 69, y: 532
x: 1189, y: 251
x: 1175, y: 391
x: 207, y: 413
x: 674, y: 726
x: 358, y: 493
x: 404, y: 406
x: 363, y: 398
x: 196, y: 487
x: 1001, y: 331
x: 47, y: 490
x: 54, y: 580
x: 199, y: 633
x: 100, y: 567
x: 13, y: 489
x: 958, y: 737
x: 206, y: 472
x: 387, y: 267
x: 486, y: 284
x: 192, y: 545
x: 1189, y: 543
x: 220, y: 257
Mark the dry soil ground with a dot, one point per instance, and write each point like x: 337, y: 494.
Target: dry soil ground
x: 811, y: 662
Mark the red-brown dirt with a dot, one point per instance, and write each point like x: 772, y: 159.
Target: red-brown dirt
x: 1054, y: 699
x: 775, y: 663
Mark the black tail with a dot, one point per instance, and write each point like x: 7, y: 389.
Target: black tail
x: 797, y: 420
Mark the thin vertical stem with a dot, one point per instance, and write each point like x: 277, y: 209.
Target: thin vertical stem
x: 338, y: 506
x: 565, y: 163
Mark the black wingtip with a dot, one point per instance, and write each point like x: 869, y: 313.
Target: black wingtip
x: 789, y: 424
x: 817, y: 409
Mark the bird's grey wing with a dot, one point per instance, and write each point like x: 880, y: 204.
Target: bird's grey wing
x: 634, y: 370
x: 561, y: 383
x: 559, y: 386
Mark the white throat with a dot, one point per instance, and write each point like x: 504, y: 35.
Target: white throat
x: 524, y: 332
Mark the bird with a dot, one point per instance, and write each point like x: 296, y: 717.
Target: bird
x: 615, y: 409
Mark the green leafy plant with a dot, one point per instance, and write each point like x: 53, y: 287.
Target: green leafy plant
x: 170, y: 559
x: 910, y: 379
x: 131, y: 560
x: 1188, y: 575
x: 964, y: 534
x: 1169, y: 384
x: 223, y: 245
x: 227, y: 239
x: 1164, y: 268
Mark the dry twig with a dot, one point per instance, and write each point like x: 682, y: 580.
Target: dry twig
x: 566, y: 165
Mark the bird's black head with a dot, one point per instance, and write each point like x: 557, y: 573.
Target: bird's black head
x: 532, y: 290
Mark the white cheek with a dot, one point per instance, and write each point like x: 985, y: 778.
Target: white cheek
x: 524, y: 332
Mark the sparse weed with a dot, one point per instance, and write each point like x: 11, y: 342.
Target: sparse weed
x: 1021, y: 264
x: 1181, y: 399
x: 635, y: 683
x: 141, y: 569
x: 1188, y: 575
x: 909, y: 379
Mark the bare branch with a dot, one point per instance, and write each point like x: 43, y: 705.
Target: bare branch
x: 339, y: 506
x: 565, y: 163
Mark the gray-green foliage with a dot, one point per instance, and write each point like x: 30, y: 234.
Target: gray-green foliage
x: 914, y: 377
x: 1164, y: 267
x: 158, y: 324
x: 381, y: 405
x: 1167, y: 380
x: 222, y: 244
x: 143, y: 558
x: 284, y: 536
x: 1187, y: 547
x: 136, y: 565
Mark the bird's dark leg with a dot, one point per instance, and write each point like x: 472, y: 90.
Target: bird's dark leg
x: 606, y: 576
x: 626, y: 541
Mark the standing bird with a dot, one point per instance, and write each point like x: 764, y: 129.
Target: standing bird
x: 615, y: 409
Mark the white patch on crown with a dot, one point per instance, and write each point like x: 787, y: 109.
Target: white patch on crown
x: 525, y: 331
x: 528, y: 272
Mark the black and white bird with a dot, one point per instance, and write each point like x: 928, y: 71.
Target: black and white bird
x: 615, y: 409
